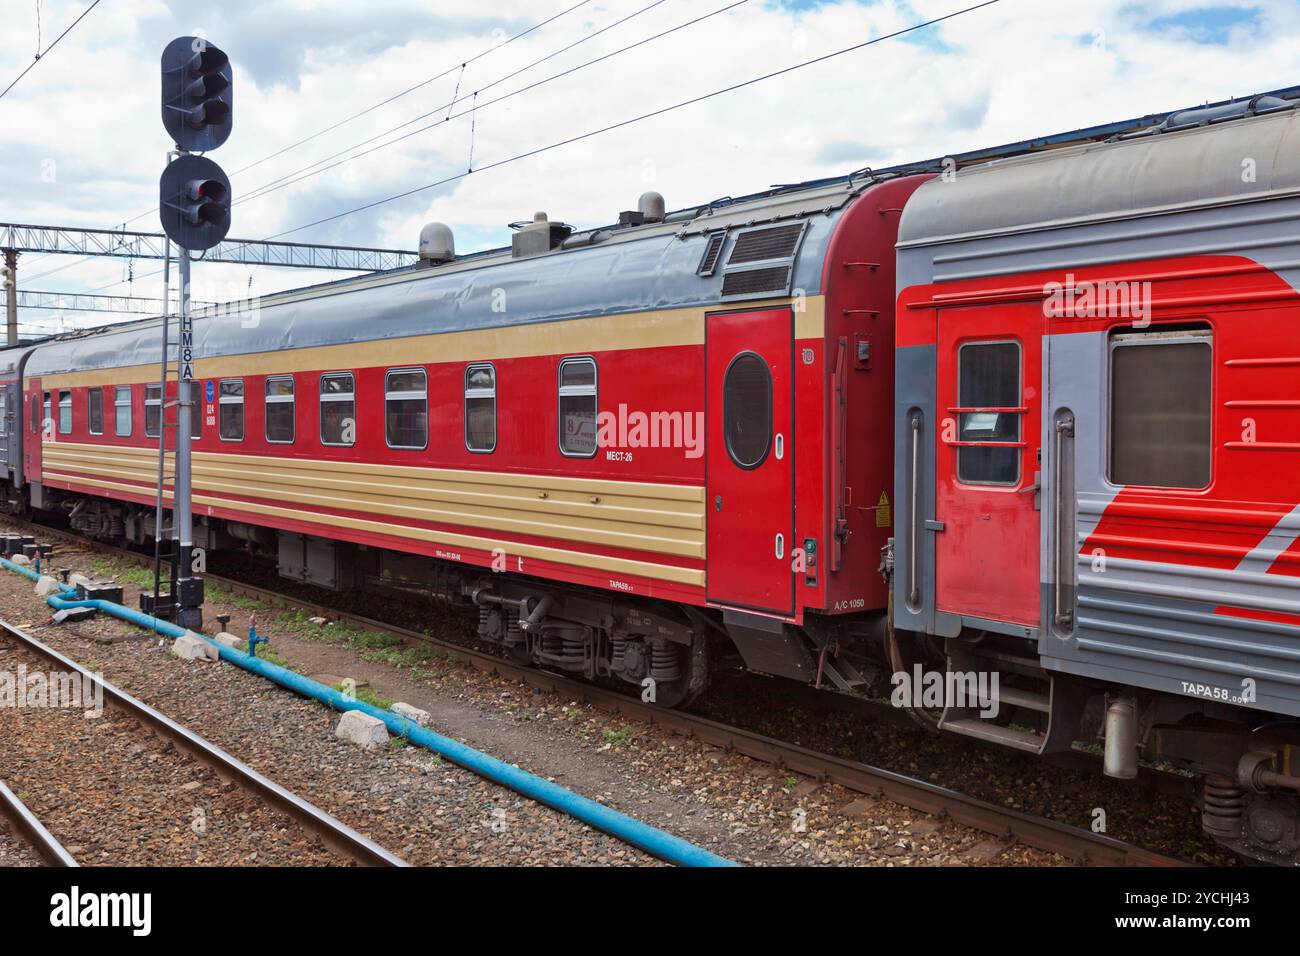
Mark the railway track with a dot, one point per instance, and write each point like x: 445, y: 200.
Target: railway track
x: 23, y: 822
x: 1077, y: 844
x: 335, y: 835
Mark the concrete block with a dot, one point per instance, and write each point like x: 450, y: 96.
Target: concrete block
x: 73, y: 614
x: 226, y: 639
x: 79, y: 579
x: 362, y: 730
x: 415, y: 714
x: 191, y: 647
x: 47, y: 586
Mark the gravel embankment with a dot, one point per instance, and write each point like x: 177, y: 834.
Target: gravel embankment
x: 113, y: 793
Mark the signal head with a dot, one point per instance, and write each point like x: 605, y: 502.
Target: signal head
x: 194, y: 202
x: 196, y: 94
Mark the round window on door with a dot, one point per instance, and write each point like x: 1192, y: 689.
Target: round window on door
x: 747, y: 410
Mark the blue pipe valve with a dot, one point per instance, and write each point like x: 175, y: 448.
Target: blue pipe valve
x: 254, y: 638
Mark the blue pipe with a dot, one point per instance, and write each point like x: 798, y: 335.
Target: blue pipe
x: 654, y: 841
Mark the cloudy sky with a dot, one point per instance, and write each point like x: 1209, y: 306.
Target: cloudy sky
x: 81, y: 143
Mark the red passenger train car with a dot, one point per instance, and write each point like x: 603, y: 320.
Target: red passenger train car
x: 658, y: 434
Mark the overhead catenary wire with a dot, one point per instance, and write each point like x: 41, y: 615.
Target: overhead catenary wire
x: 637, y: 119
x: 627, y: 122
x: 412, y: 89
x: 40, y: 55
x: 460, y: 66
x: 457, y: 98
x: 278, y: 184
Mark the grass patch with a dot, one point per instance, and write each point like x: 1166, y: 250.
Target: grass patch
x: 619, y: 738
x: 406, y: 657
x: 124, y: 573
x: 270, y: 656
x: 338, y: 633
x: 219, y: 594
x: 367, y: 696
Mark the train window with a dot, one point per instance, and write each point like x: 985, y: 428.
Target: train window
x: 152, y: 410
x: 406, y: 408
x: 95, y: 411
x: 47, y: 414
x: 747, y: 409
x: 230, y: 409
x: 122, y: 410
x: 990, y: 414
x: 338, y: 408
x: 1160, y: 431
x: 480, y: 408
x: 4, y: 411
x: 279, y: 410
x: 36, y: 412
x: 578, y: 407
x: 65, y: 413
x: 196, y: 408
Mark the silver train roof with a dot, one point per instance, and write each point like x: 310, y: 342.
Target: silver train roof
x: 616, y: 270
x: 1213, y: 158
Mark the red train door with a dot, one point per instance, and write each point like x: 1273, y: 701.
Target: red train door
x: 987, y: 462
x: 33, y: 422
x: 750, y: 459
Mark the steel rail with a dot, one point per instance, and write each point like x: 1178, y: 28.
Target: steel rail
x: 1082, y: 846
x: 333, y: 832
x: 24, y: 821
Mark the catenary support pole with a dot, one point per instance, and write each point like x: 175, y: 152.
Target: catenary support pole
x: 11, y: 297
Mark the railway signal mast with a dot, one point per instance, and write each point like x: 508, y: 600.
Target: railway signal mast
x: 194, y: 206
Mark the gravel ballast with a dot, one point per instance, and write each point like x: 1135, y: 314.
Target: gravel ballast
x: 113, y: 793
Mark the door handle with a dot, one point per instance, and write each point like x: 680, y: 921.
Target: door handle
x: 1063, y: 517
x: 780, y: 546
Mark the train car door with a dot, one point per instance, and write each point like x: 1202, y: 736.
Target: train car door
x: 987, y: 468
x: 33, y: 421
x: 750, y: 459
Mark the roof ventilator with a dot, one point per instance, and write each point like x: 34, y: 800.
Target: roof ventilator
x: 536, y: 237
x: 712, y: 252
x: 762, y: 261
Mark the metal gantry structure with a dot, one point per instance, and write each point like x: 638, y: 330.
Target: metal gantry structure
x: 88, y: 302
x: 121, y: 244
x: 17, y: 238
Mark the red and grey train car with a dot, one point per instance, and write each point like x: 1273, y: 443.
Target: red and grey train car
x: 1098, y: 451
